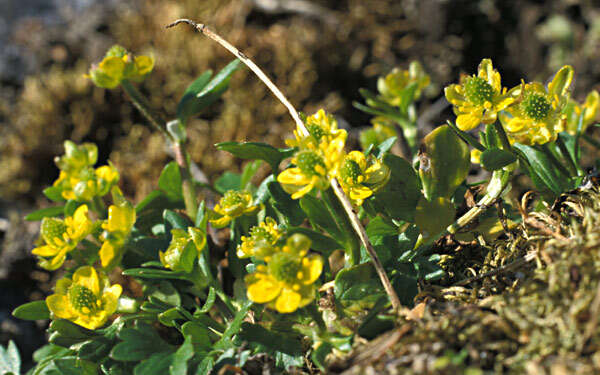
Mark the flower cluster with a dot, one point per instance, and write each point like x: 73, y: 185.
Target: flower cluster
x: 86, y: 299
x: 119, y: 65
x: 62, y: 236
x: 286, y: 280
x: 321, y: 156
x: 78, y: 180
x: 531, y: 113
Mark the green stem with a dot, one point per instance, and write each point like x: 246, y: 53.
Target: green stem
x: 181, y: 157
x: 352, y: 243
x: 503, y: 137
x: 99, y: 207
x: 574, y: 168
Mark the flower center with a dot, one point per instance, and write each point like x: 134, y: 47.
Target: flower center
x: 259, y: 233
x: 284, y: 267
x: 52, y: 229
x: 478, y: 91
x: 536, y: 106
x: 316, y: 131
x: 307, y: 161
x: 82, y: 299
x: 232, y: 198
x: 351, y: 171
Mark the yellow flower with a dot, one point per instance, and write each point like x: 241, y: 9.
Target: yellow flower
x: 537, y: 114
x: 475, y: 156
x: 262, y: 240
x: 117, y: 228
x: 392, y: 86
x: 360, y: 176
x: 61, y: 237
x: 106, y: 177
x: 478, y: 98
x: 322, y: 128
x: 589, y: 109
x: 119, y: 65
x: 233, y: 204
x: 77, y: 157
x: 87, y: 299
x: 313, y: 168
x: 183, y: 249
x: 286, y: 283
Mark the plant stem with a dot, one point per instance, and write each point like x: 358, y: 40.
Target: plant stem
x: 574, y: 168
x: 187, y: 183
x: 356, y: 224
x: 550, y: 154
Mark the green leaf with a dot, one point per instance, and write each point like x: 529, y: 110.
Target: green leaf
x: 358, y: 284
x: 70, y: 207
x: 65, y: 333
x: 169, y: 182
x: 432, y: 217
x: 54, y: 193
x: 547, y: 173
x: 151, y: 273
x: 176, y: 221
x: 164, y: 291
x: 45, y: 212
x: 157, y: 364
x: 70, y: 366
x: 233, y: 327
x: 400, y: 195
x: 200, y: 94
x: 257, y: 151
x: 10, y: 360
x: 320, y: 217
x: 181, y: 358
x: 280, y: 345
x: 249, y: 171
x: 445, y: 162
x: 228, y: 181
x: 36, y: 310
x: 385, y: 146
x: 283, y: 203
x: 138, y: 343
x: 198, y: 334
x: 320, y: 353
x: 210, y: 301
x: 494, y: 158
x: 94, y: 350
x: 379, y: 228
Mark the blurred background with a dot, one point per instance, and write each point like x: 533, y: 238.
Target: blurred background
x: 319, y: 52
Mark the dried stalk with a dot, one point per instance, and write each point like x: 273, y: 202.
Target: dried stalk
x: 339, y: 192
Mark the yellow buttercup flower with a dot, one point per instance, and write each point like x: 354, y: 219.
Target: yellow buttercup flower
x: 537, y: 114
x: 391, y: 87
x: 286, y: 283
x: 61, y: 237
x: 117, y: 228
x: 233, y: 204
x: 119, y: 65
x: 262, y: 241
x: 183, y: 249
x: 87, y: 299
x: 478, y: 99
x: 313, y: 168
x: 589, y: 109
x: 360, y: 176
x: 322, y: 128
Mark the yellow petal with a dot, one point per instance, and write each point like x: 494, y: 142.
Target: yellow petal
x: 360, y: 192
x: 305, y: 190
x: 107, y: 173
x: 144, y: 64
x: 120, y: 219
x: 62, y: 286
x: 292, y: 176
x: 561, y: 81
x: 453, y: 95
x: 466, y: 122
x: 54, y: 263
x: 59, y: 305
x: 107, y: 253
x: 262, y: 289
x: 516, y: 124
x: 221, y: 222
x: 311, y: 269
x: 88, y: 277
x: 475, y: 156
x: 288, y: 301
x: 45, y: 251
x: 110, y: 298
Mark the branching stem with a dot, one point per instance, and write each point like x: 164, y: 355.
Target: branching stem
x: 339, y: 192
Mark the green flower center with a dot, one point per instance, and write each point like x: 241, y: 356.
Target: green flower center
x: 82, y: 299
x: 478, y: 91
x: 259, y: 233
x: 351, y: 170
x: 53, y: 228
x: 232, y: 198
x: 536, y: 106
x: 285, y: 267
x: 307, y: 161
x: 316, y: 131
